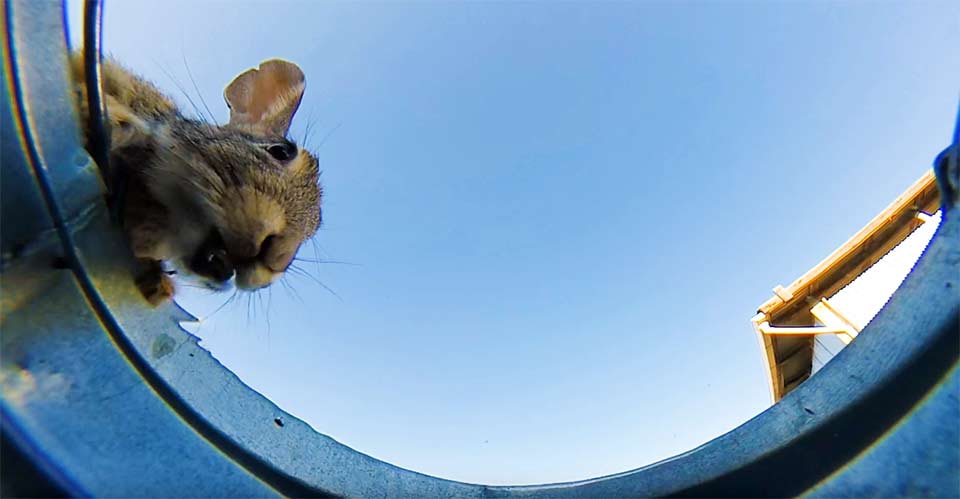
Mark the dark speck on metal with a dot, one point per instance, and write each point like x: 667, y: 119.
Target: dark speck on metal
x: 103, y: 396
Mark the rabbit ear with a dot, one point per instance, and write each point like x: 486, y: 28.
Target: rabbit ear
x: 263, y: 100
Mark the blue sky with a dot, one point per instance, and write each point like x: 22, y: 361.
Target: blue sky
x: 562, y: 215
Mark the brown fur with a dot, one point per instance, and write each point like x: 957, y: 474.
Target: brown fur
x: 198, y: 189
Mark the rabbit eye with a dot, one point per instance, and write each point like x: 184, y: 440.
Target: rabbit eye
x: 282, y: 152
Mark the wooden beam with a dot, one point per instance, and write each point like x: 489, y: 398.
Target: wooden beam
x: 767, y: 329
x: 830, y: 316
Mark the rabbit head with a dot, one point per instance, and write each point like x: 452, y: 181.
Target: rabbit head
x: 242, y: 196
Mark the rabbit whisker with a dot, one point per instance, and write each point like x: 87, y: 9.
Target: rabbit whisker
x: 196, y: 88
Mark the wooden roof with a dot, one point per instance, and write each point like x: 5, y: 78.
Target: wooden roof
x: 790, y: 358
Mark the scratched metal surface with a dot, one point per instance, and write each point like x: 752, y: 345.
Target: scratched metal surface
x: 106, y: 397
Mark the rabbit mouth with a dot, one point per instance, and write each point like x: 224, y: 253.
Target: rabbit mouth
x: 217, y: 267
x: 211, y: 262
x: 255, y: 276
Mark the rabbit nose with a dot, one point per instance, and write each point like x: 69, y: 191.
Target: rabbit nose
x: 246, y: 250
x: 265, y: 246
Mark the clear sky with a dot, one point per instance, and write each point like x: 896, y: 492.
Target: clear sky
x: 562, y: 215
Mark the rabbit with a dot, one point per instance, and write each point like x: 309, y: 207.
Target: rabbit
x: 225, y: 203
